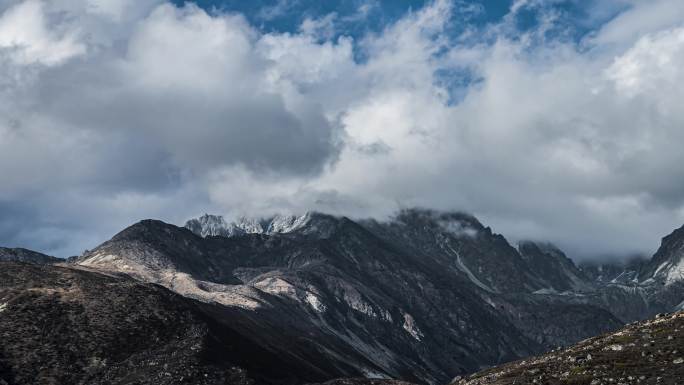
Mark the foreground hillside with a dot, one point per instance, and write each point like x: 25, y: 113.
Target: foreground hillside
x: 648, y: 352
x: 62, y: 325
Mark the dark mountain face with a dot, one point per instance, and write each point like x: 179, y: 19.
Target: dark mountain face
x: 553, y: 267
x: 461, y: 243
x: 648, y: 352
x: 25, y: 255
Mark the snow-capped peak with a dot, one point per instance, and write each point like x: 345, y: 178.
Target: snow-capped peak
x: 248, y: 225
x: 288, y: 223
x: 208, y: 225
x: 216, y: 225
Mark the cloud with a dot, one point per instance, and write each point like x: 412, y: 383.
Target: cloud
x: 115, y: 111
x: 651, y: 65
x: 184, y: 94
x: 638, y: 19
x: 322, y: 28
x: 277, y: 10
x: 27, y: 39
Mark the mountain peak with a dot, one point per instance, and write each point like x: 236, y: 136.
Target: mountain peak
x: 455, y: 222
x: 309, y: 223
x: 208, y: 225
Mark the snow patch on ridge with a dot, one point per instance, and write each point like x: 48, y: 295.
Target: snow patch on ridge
x: 411, y: 327
x: 676, y: 272
x: 355, y: 301
x: 546, y: 291
x: 368, y: 373
x: 670, y: 271
x: 315, y: 303
x: 276, y: 286
x: 280, y: 287
x: 288, y: 223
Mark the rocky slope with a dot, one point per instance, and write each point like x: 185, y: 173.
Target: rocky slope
x: 648, y: 352
x: 215, y: 225
x: 66, y: 325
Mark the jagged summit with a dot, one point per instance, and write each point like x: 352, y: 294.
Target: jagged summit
x: 209, y: 225
x: 215, y: 225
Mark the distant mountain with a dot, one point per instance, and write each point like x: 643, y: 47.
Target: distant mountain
x: 462, y: 243
x: 25, y: 255
x: 648, y: 352
x: 559, y: 273
x: 614, y: 272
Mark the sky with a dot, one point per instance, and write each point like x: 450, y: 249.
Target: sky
x: 553, y: 120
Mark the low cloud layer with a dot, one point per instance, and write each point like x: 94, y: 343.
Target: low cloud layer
x: 114, y: 111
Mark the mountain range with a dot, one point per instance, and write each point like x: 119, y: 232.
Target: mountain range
x: 424, y: 296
